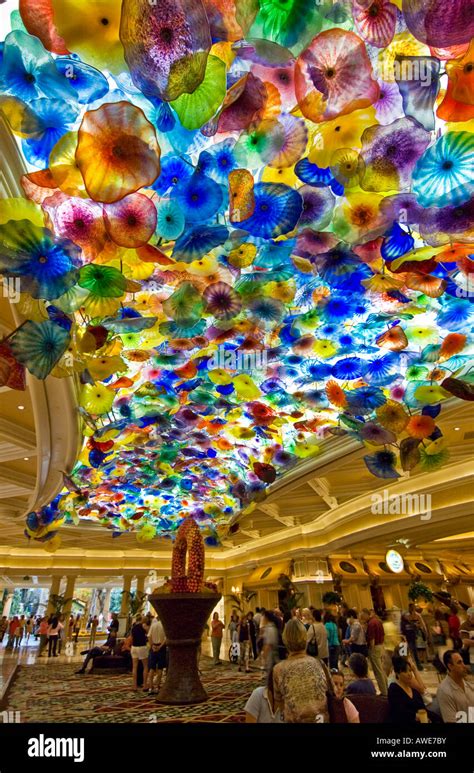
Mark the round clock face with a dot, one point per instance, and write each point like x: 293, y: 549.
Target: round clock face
x: 394, y: 561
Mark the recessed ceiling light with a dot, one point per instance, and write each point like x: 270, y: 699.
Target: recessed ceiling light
x: 26, y: 458
x: 21, y: 407
x: 456, y: 429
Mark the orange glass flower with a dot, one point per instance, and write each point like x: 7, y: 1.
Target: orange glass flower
x: 117, y: 152
x: 421, y: 426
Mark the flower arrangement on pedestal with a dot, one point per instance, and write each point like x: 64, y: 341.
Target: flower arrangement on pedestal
x: 184, y: 604
x: 188, y: 544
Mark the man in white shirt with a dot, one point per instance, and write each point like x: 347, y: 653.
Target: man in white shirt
x: 157, y: 654
x: 456, y: 693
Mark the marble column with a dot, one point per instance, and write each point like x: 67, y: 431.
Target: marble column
x: 53, y: 591
x: 127, y: 584
x: 69, y: 595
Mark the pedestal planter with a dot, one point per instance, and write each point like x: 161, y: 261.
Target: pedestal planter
x: 183, y: 616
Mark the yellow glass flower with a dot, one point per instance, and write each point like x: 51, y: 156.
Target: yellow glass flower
x: 392, y: 416
x: 97, y: 399
x: 203, y: 266
x: 431, y: 394
x: 21, y: 209
x: 324, y: 348
x: 242, y: 256
x: 381, y: 283
x: 305, y: 448
x: 63, y: 166
x: 282, y: 291
x: 285, y: 175
x: 220, y: 376
x: 342, y: 132
x: 92, y: 31
x: 103, y: 367
x: 246, y: 387
x: 358, y: 217
x: 96, y: 306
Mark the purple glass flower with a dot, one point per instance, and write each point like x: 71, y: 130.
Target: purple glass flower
x: 390, y: 154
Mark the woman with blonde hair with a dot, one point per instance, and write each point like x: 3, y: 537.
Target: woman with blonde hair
x: 299, y: 682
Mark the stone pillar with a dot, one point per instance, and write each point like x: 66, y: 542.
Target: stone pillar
x: 8, y: 603
x: 106, y: 610
x: 53, y: 591
x: 127, y: 584
x: 69, y: 595
x: 141, y: 583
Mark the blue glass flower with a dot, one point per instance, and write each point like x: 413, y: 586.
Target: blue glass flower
x: 444, y: 171
x: 170, y: 219
x: 348, y: 369
x: 380, y: 371
x: 382, y: 464
x: 88, y: 83
x: 196, y: 242
x: 199, y: 197
x: 56, y: 118
x: 277, y: 210
x: 396, y: 242
x: 316, y: 175
x: 364, y: 400
x: 337, y: 309
x: 28, y: 71
x: 39, y: 346
x: 218, y: 161
x: 174, y: 170
x: 47, y: 266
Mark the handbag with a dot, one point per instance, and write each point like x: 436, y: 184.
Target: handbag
x: 312, y: 646
x: 336, y: 710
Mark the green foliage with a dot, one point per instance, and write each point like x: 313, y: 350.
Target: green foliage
x: 418, y: 590
x: 135, y: 601
x: 58, y: 602
x: 243, y: 599
x: 294, y: 598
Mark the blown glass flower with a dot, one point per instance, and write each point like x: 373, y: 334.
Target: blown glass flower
x: 166, y: 45
x: 390, y: 154
x: 375, y: 21
x: 333, y: 76
x: 47, y: 266
x: 444, y: 172
x: 39, y: 346
x: 28, y: 71
x: 90, y: 31
x: 277, y: 210
x: 117, y: 151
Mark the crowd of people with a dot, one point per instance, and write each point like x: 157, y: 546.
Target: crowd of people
x: 306, y: 657
x: 319, y: 665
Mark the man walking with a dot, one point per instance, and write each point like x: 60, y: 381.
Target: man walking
x: 375, y: 640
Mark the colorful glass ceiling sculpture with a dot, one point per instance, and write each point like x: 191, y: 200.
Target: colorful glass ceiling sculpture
x: 248, y: 226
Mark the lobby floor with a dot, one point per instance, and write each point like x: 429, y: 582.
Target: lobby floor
x: 46, y: 689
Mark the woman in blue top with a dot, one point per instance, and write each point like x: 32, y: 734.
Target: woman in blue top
x: 333, y: 640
